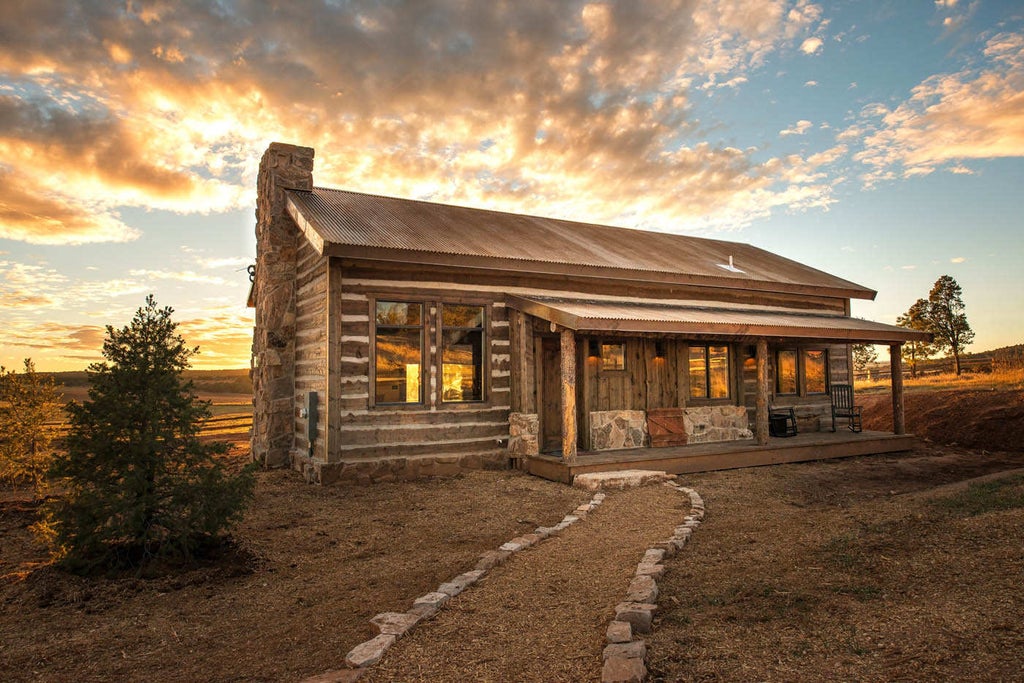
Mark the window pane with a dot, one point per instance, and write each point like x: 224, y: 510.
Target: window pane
x: 718, y: 369
x: 399, y: 354
x: 462, y: 365
x: 462, y: 316
x: 698, y: 372
x: 814, y: 367
x: 398, y: 313
x: 613, y: 356
x: 786, y: 372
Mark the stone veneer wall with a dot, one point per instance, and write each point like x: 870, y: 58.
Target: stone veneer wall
x: 707, y: 424
x: 616, y: 429
x: 523, y: 430
x: 273, y: 343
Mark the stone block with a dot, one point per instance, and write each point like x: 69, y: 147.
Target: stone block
x: 619, y: 632
x: 640, y: 615
x: 654, y: 555
x: 642, y: 589
x: 369, y: 653
x: 435, y: 599
x: 623, y: 670
x: 594, y: 481
x: 424, y: 610
x: 395, y: 623
x: 631, y: 650
x: 491, y: 559
x: 460, y: 582
x: 647, y: 569
x: 668, y: 546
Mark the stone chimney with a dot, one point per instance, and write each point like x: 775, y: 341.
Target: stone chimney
x: 283, y: 167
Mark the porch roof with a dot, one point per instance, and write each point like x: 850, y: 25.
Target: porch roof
x: 724, y: 322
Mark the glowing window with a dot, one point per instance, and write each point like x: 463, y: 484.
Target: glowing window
x: 709, y: 371
x: 613, y: 356
x: 462, y: 351
x: 398, y: 350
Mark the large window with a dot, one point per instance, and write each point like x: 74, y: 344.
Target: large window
x: 398, y: 352
x: 815, y: 371
x: 709, y: 371
x: 462, y: 350
x: 613, y: 356
x: 801, y: 372
x: 786, y: 373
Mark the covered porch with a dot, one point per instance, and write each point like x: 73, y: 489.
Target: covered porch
x: 750, y: 341
x: 722, y: 455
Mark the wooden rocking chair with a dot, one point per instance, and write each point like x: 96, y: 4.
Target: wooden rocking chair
x: 843, y: 407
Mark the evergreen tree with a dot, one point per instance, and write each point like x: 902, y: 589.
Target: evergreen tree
x: 27, y: 402
x: 139, y: 482
x: 947, y: 320
x: 916, y: 318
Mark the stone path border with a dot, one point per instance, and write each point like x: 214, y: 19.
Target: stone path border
x: 394, y: 625
x: 623, y: 656
x: 625, y: 653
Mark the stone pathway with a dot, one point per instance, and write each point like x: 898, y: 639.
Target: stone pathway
x: 565, y: 603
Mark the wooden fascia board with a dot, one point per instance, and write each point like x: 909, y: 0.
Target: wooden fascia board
x: 306, y: 226
x: 543, y: 311
x: 522, y: 266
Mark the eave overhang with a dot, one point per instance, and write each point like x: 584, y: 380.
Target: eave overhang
x: 734, y: 324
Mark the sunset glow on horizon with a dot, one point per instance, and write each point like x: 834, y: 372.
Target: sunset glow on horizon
x: 882, y: 142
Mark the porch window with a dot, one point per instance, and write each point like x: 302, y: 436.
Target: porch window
x: 462, y: 352
x: 802, y: 372
x: 815, y: 370
x: 786, y: 372
x: 398, y: 352
x: 709, y: 371
x: 613, y: 356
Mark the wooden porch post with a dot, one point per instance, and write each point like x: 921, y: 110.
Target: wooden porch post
x: 761, y: 413
x: 899, y: 425
x: 568, y: 353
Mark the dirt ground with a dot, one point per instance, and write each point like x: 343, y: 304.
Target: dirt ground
x: 842, y: 569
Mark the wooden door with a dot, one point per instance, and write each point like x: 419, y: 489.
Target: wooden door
x: 551, y: 395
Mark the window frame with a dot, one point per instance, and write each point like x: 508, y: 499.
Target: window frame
x: 801, y: 353
x: 424, y: 328
x: 600, y: 356
x: 707, y: 399
x: 485, y: 354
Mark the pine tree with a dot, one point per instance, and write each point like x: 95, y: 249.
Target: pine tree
x: 864, y: 355
x: 947, y: 320
x: 27, y: 402
x: 139, y: 482
x: 916, y: 318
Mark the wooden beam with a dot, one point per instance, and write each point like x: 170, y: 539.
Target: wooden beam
x: 568, y: 353
x: 761, y: 414
x: 899, y: 424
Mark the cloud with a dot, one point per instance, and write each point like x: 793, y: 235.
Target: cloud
x: 798, y: 128
x: 182, y: 276
x: 976, y: 113
x: 957, y: 259
x: 584, y: 108
x: 811, y: 45
x: 811, y: 84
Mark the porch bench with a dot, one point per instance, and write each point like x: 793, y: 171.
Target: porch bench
x: 844, y: 408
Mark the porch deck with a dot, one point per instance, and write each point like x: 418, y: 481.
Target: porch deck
x: 723, y: 455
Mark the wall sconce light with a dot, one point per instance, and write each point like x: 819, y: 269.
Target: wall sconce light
x: 659, y: 349
x: 594, y: 349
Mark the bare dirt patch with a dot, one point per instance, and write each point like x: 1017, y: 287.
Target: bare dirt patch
x: 313, y: 564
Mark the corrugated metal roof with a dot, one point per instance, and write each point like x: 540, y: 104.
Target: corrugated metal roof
x: 350, y: 219
x: 594, y: 315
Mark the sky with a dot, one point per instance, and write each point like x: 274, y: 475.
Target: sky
x: 882, y: 142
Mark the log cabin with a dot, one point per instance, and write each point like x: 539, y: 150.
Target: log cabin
x: 399, y: 339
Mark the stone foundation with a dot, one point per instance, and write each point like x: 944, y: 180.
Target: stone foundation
x: 709, y: 424
x: 396, y: 469
x: 523, y: 430
x: 617, y: 429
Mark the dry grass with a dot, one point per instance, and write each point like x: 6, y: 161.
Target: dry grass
x: 997, y: 380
